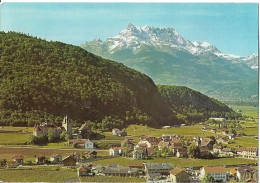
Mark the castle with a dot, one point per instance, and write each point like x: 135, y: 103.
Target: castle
x: 42, y: 129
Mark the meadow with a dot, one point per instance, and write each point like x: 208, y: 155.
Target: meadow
x: 111, y: 179
x: 184, y: 162
x: 194, y: 130
x: 37, y: 175
x: 250, y: 111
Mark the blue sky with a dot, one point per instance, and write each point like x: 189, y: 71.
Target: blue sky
x: 231, y: 27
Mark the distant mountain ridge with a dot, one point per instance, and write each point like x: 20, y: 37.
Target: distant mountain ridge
x: 165, y: 56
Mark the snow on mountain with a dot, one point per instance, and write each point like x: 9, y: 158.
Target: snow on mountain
x: 134, y: 37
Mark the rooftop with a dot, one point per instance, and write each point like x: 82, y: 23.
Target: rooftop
x: 215, y: 169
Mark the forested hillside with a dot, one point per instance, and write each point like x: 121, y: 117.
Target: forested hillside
x: 190, y: 105
x: 44, y: 81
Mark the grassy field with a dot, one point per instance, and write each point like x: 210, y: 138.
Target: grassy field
x: 111, y: 179
x: 13, y: 138
x: 37, y: 175
x: 244, y: 142
x: 194, y: 130
x: 28, y: 153
x: 246, y: 110
x: 122, y: 161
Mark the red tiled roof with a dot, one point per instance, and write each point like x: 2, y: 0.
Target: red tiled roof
x: 227, y: 150
x: 18, y: 157
x: 136, y: 164
x: 239, y: 149
x: 82, y: 169
x: 251, y: 149
x: 117, y: 148
x: 233, y: 171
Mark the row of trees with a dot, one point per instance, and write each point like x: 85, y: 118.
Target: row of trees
x: 49, y: 137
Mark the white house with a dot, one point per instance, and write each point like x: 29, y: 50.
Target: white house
x: 83, y: 143
x: 114, y: 131
x: 250, y: 152
x: 219, y: 173
x: 141, y: 142
x: 113, y: 151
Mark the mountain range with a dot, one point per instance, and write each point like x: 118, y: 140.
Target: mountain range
x: 43, y: 81
x: 168, y: 58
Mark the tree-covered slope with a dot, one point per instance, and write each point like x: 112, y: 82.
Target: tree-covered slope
x: 191, y: 105
x: 44, y: 81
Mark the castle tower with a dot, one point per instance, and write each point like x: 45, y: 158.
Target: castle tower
x: 67, y: 125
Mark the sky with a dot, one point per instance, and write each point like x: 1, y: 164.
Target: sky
x: 231, y: 27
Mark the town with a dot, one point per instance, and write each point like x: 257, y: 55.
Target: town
x: 142, y: 153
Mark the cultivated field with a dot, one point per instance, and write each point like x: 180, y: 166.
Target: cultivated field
x: 37, y: 175
x: 111, y: 179
x: 184, y: 162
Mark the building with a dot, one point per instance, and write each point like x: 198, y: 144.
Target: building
x: 221, y: 140
x: 162, y: 168
x: 204, y: 151
x: 40, y: 159
x: 69, y: 161
x: 136, y: 164
x: 225, y: 131
x: 138, y: 153
x: 120, y: 171
x: 233, y: 173
x: 218, y: 119
x: 219, y: 173
x: 208, y: 142
x: 246, y: 172
x: 182, y: 152
x: 83, y: 143
x: 179, y: 174
x: 128, y: 143
x: 85, y: 131
x: 226, y: 152
x: 168, y: 137
x: 116, y: 151
x: 91, y: 153
x: 85, y: 171
x: 163, y: 144
x: 239, y: 151
x: 214, y: 130
x: 250, y: 152
x: 18, y: 159
x: 56, y: 158
x: 12, y: 164
x: 43, y: 128
x: 175, y: 147
x: 114, y: 131
x: 117, y: 132
x: 76, y: 155
x: 217, y: 149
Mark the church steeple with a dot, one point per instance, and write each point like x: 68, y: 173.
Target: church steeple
x: 67, y: 125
